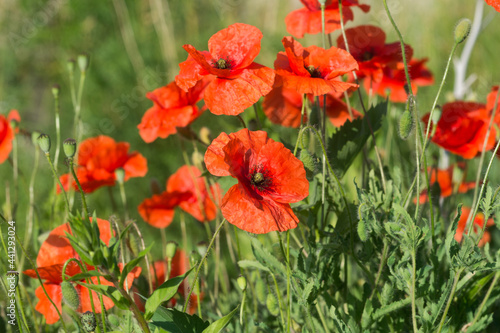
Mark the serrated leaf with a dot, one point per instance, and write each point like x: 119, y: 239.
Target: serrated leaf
x: 175, y: 321
x: 390, y: 308
x: 349, y: 140
x: 163, y: 293
x: 218, y: 325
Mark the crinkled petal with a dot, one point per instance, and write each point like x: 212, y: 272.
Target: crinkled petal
x: 191, y: 71
x: 44, y: 306
x: 136, y: 166
x: 283, y: 106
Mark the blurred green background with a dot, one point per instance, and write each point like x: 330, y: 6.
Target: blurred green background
x: 135, y: 47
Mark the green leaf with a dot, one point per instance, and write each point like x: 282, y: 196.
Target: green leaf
x: 83, y: 276
x: 175, y: 321
x: 349, y: 140
x: 132, y: 263
x: 218, y: 325
x: 120, y: 301
x: 163, y: 293
x: 265, y: 257
x: 252, y: 264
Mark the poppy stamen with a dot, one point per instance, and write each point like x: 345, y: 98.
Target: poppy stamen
x: 314, y: 71
x: 367, y: 56
x: 222, y: 64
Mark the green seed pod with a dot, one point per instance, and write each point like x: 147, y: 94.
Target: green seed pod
x: 55, y: 90
x: 70, y: 65
x: 120, y: 175
x: 83, y: 62
x: 260, y: 290
x: 462, y: 30
x: 171, y: 249
x: 406, y: 123
x: 34, y: 137
x: 88, y: 321
x: 362, y: 230
x: 70, y: 295
x: 69, y: 147
x: 272, y: 304
x: 44, y: 142
x: 242, y: 282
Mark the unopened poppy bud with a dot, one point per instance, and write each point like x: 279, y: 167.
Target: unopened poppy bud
x: 194, y: 258
x: 155, y: 186
x: 307, y: 158
x: 171, y: 249
x: 34, y: 137
x: 44, y: 142
x: 70, y: 65
x: 202, y: 247
x: 253, y: 125
x: 406, y: 123
x: 462, y: 30
x: 205, y: 135
x: 70, y: 295
x: 83, y: 62
x: 120, y: 175
x: 69, y: 147
x: 242, y: 282
x: 55, y: 90
x: 436, y: 115
x: 272, y: 304
x: 88, y: 321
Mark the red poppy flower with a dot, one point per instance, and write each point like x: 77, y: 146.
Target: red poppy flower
x: 238, y: 81
x: 313, y: 70
x: 462, y: 128
x: 495, y: 4
x: 173, y: 107
x: 283, y: 106
x: 178, y: 266
x: 186, y: 189
x: 269, y: 178
x: 394, y: 80
x: 7, y: 134
x: 54, y: 252
x: 445, y: 180
x: 98, y: 159
x: 308, y: 20
x: 478, y: 226
x: 367, y: 45
x: 491, y: 102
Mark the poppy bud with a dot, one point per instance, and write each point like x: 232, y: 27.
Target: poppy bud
x: 34, y: 137
x: 260, y: 290
x: 120, y: 175
x: 70, y: 295
x: 171, y: 249
x: 202, y: 248
x: 307, y: 158
x: 462, y: 30
x: 242, y: 282
x: 272, y: 304
x: 362, y: 230
x: 88, y: 321
x: 83, y: 62
x: 55, y: 90
x: 205, y: 135
x: 44, y: 142
x: 194, y: 258
x: 406, y: 123
x: 70, y: 65
x: 13, y: 123
x: 69, y: 147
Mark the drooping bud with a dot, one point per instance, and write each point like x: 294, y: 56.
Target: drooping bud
x: 242, y: 282
x: 44, y: 142
x: 171, y: 249
x: 202, y: 247
x: 69, y: 147
x: 462, y: 30
x: 88, y: 321
x: 405, y: 125
x: 83, y: 62
x: 70, y: 295
x: 120, y: 175
x: 55, y: 90
x: 308, y: 159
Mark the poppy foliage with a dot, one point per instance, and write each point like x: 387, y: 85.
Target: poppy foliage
x: 99, y: 158
x: 237, y: 81
x: 185, y: 189
x: 269, y: 179
x: 7, y: 134
x: 52, y: 256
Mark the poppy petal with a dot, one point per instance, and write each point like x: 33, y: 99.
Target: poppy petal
x: 44, y: 306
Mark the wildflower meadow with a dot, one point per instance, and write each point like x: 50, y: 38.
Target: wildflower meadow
x: 250, y: 166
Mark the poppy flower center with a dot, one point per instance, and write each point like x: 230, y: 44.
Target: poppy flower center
x: 259, y: 179
x: 367, y: 56
x: 314, y: 71
x: 222, y: 64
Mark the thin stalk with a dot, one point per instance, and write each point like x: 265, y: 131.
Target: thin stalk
x: 413, y: 292
x: 58, y: 131
x: 486, y: 297
x: 304, y: 99
x: 280, y: 302
x: 47, y: 155
x: 78, y: 108
x: 15, y: 166
x: 148, y: 268
x: 380, y: 267
x: 241, y: 121
x: 124, y: 200
x: 201, y: 264
x: 322, y: 318
x: 21, y: 306
x: 259, y: 125
x: 84, y: 201
x: 450, y: 299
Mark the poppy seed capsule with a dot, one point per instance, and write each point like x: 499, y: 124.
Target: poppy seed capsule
x: 69, y: 147
x: 406, y: 123
x: 308, y: 160
x: 462, y: 30
x: 34, y: 137
x: 55, y: 90
x: 242, y: 282
x: 70, y: 65
x: 120, y: 175
x: 83, y: 62
x: 44, y: 142
x: 88, y: 321
x: 171, y: 249
x: 70, y: 295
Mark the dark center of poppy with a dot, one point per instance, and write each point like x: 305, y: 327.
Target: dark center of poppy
x: 222, y: 64
x: 367, y: 56
x: 257, y: 178
x: 314, y: 71
x: 260, y: 179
